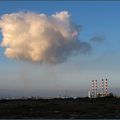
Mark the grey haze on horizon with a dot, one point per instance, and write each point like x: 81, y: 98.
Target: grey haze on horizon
x: 8, y: 93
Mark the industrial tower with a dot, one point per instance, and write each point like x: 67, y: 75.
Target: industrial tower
x: 95, y: 92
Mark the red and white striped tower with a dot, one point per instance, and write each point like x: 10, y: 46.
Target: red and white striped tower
x: 106, y: 87
x: 102, y: 86
x: 96, y: 87
x: 93, y: 88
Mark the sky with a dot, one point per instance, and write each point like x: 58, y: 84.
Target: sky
x: 100, y: 19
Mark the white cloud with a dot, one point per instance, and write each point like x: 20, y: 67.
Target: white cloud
x: 39, y: 37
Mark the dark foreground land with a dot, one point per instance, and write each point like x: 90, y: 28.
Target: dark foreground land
x: 108, y: 107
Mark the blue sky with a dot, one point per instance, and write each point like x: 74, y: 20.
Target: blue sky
x: 97, y: 19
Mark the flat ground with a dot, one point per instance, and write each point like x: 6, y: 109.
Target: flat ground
x: 108, y: 107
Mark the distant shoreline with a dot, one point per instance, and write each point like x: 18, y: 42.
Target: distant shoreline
x: 60, y: 108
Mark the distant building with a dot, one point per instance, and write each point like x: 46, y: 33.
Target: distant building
x: 103, y: 91
x: 89, y: 94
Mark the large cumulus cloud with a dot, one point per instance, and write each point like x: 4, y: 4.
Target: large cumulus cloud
x: 40, y: 38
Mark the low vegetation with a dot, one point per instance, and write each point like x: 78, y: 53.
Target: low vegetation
x: 106, y: 107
